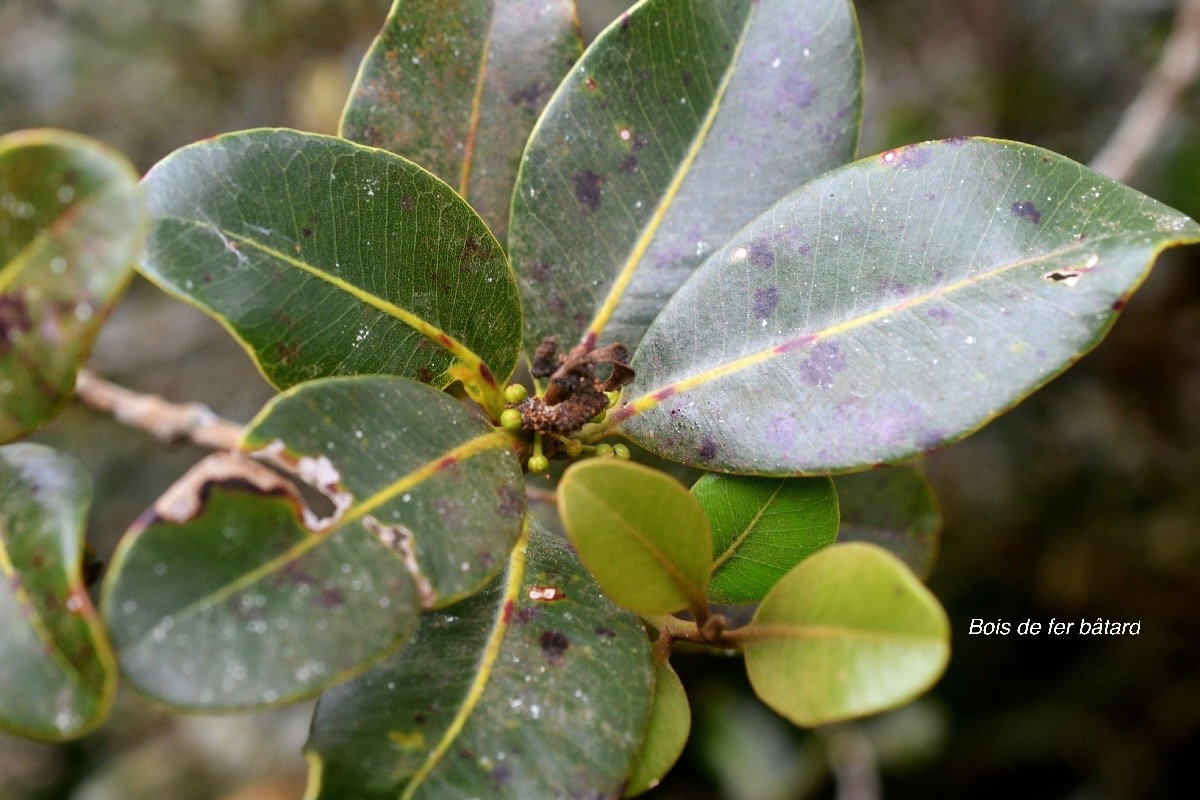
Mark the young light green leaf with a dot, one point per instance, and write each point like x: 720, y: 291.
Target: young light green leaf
x: 639, y: 532
x: 761, y: 528
x: 894, y: 508
x: 892, y: 307
x: 325, y: 258
x: 57, y: 673
x: 239, y: 589
x: 71, y: 225
x: 456, y: 86
x: 537, y: 687
x: 666, y: 733
x: 850, y: 631
x: 681, y: 123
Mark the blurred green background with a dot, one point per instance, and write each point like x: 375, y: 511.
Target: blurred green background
x: 1082, y: 503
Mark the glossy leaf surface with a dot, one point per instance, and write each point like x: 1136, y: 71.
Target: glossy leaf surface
x: 236, y: 590
x: 639, y: 532
x: 666, y: 733
x: 57, y: 673
x: 892, y: 307
x: 456, y: 86
x: 537, y: 687
x: 894, y: 508
x: 850, y: 631
x: 761, y: 528
x: 682, y: 122
x: 71, y: 224
x: 325, y: 258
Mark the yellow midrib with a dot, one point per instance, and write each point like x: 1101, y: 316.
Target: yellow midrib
x: 741, y: 537
x: 642, y: 245
x: 430, y: 331
x: 40, y: 629
x: 480, y: 444
x: 464, y: 179
x: 647, y: 401
x: 487, y: 661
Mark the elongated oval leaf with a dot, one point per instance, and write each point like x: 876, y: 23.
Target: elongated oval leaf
x: 71, y: 224
x: 894, y: 508
x: 536, y: 688
x: 639, y: 532
x: 681, y: 122
x: 236, y: 590
x: 456, y: 85
x: 761, y: 528
x: 849, y: 632
x: 666, y: 733
x: 325, y: 258
x: 57, y: 672
x: 892, y: 307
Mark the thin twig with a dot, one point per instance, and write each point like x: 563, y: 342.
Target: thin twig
x: 166, y: 421
x: 1146, y: 118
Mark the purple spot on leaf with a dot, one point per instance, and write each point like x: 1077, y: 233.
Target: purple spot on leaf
x: 707, y: 449
x: 765, y: 302
x: 1026, y: 210
x: 824, y: 362
x: 588, y: 189
x: 762, y: 254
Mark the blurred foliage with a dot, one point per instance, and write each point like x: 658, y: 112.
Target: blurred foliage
x: 1082, y: 503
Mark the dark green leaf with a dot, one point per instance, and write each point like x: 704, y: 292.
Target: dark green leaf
x: 235, y: 590
x: 666, y: 733
x: 850, y: 631
x: 535, y: 688
x: 71, y: 224
x: 894, y: 508
x: 891, y: 308
x: 639, y: 532
x: 456, y: 86
x: 57, y: 672
x: 761, y: 528
x: 681, y: 123
x: 324, y: 258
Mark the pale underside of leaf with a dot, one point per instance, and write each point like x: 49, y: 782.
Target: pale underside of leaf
x: 758, y: 98
x: 890, y: 308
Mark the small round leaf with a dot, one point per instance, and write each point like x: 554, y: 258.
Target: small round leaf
x: 639, y: 532
x: 850, y: 631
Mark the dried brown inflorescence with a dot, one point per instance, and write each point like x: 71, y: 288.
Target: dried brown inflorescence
x: 575, y: 392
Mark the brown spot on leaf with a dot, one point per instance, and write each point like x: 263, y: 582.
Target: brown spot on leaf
x: 330, y: 597
x: 286, y: 352
x: 591, y: 84
x: 606, y: 633
x: 630, y: 164
x: 588, y: 189
x: 554, y: 646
